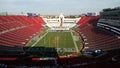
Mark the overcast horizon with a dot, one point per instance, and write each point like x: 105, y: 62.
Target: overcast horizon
x: 55, y: 7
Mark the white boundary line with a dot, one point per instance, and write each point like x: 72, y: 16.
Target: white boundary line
x: 38, y: 40
x: 74, y: 41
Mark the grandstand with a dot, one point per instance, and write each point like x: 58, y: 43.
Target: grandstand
x: 96, y: 38
x: 18, y: 30
x: 93, y: 41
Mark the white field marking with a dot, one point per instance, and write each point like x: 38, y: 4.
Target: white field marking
x: 57, y: 40
x: 38, y: 40
x: 74, y: 41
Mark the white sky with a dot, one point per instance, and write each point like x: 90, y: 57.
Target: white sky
x: 56, y: 6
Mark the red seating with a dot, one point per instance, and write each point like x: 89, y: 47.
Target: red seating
x: 17, y: 30
x: 95, y: 37
x: 105, y: 60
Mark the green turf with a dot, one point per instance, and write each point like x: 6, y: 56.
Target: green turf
x: 57, y: 40
x: 63, y: 41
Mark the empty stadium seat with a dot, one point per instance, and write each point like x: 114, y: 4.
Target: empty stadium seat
x: 94, y: 37
x: 18, y: 30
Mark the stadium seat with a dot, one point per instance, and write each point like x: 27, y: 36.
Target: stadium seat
x: 18, y: 30
x: 96, y: 38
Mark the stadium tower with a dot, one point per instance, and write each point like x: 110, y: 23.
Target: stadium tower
x: 61, y: 19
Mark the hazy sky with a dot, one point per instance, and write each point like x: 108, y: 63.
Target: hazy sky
x: 56, y: 6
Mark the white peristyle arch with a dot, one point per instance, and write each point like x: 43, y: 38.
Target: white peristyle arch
x: 61, y: 18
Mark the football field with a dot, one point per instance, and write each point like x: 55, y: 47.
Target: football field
x: 59, y: 40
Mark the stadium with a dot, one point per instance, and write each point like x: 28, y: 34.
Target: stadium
x: 34, y: 41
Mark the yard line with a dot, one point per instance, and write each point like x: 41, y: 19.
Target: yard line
x: 57, y: 41
x: 38, y: 40
x: 74, y: 41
